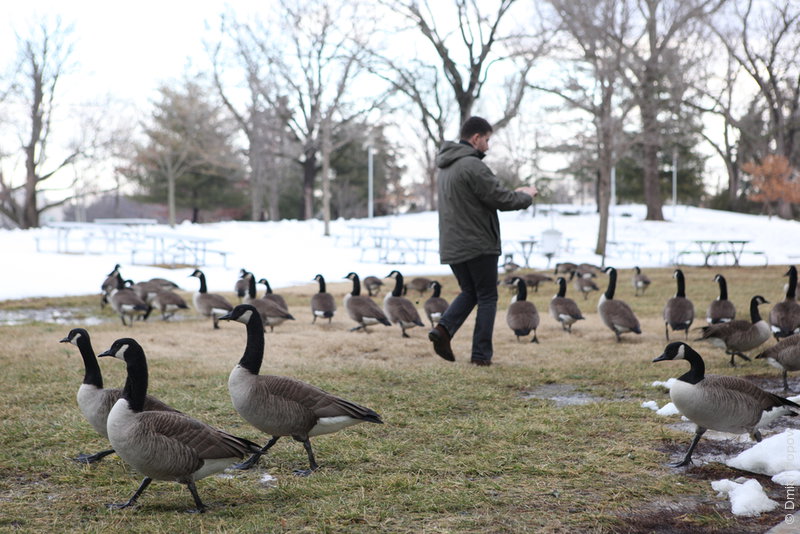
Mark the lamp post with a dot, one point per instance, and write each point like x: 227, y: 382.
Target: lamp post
x: 370, y: 207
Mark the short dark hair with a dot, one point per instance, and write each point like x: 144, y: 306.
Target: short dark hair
x: 475, y: 125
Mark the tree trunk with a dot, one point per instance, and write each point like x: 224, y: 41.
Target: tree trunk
x: 326, y: 179
x: 309, y: 174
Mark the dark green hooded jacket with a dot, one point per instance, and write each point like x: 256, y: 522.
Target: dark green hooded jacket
x: 469, y: 197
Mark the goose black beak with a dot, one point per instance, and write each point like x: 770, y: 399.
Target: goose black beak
x: 662, y: 358
x: 65, y: 340
x: 106, y: 353
x: 226, y: 317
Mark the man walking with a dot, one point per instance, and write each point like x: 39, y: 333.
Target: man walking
x: 469, y: 235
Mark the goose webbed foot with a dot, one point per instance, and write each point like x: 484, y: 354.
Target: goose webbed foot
x: 535, y: 339
x: 119, y: 506
x: 686, y: 461
x: 303, y: 472
x: 83, y: 458
x: 200, y: 507
x: 249, y: 463
x: 405, y: 335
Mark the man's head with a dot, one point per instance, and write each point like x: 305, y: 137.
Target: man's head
x: 476, y: 131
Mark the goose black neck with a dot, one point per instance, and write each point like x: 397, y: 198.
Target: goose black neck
x: 203, y: 287
x: 437, y: 290
x: 522, y: 290
x: 698, y: 370
x: 251, y: 286
x: 356, y: 286
x: 723, y: 288
x: 562, y: 288
x: 254, y: 350
x: 398, y: 285
x: 269, y: 287
x: 92, y: 375
x: 791, y: 291
x: 135, y: 388
x: 754, y: 315
x: 612, y: 284
x: 321, y: 284
x: 681, y: 284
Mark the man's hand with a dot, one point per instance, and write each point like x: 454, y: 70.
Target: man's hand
x: 529, y: 189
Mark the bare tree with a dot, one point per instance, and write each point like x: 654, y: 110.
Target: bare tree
x: 763, y: 38
x: 44, y: 57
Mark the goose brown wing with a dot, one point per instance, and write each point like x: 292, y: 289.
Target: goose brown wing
x: 739, y: 386
x: 203, y: 441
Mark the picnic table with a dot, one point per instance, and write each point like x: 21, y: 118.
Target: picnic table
x: 173, y: 247
x: 720, y: 248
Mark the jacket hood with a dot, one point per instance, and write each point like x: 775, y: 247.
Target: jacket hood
x: 452, y: 152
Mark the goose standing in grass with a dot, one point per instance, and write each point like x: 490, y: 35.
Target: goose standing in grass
x: 272, y: 313
x: 721, y: 310
x: 240, y: 286
x: 127, y: 303
x: 110, y: 283
x: 435, y: 306
x: 269, y: 295
x: 678, y: 311
x: 162, y: 445
x: 283, y: 406
x: 738, y: 336
x: 562, y: 308
x: 361, y: 309
x: 522, y: 316
x: 373, y: 284
x: 420, y: 284
x: 168, y: 303
x: 785, y: 355
x: 616, y: 314
x: 583, y: 284
x: 722, y: 403
x: 785, y: 315
x: 95, y: 401
x: 640, y: 282
x: 322, y: 303
x: 398, y: 309
x: 565, y: 267
x: 209, y: 304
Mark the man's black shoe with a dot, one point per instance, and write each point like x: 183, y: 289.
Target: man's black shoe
x: 441, y: 343
x: 481, y: 363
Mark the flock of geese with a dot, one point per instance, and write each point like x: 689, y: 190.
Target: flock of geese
x: 165, y: 444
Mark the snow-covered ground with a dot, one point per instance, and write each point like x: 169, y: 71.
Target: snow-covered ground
x: 292, y: 252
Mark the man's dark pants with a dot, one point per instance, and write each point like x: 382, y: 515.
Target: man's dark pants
x: 477, y: 279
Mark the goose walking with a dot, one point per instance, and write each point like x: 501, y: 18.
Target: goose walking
x: 373, y: 285
x: 640, y: 282
x: 722, y: 403
x: 583, y: 284
x: 322, y: 303
x: 398, y: 309
x: 678, y: 311
x: 269, y: 295
x: 127, y: 303
x: 168, y: 303
x: 361, y: 309
x: 564, y: 309
x: 271, y: 311
x: 283, y: 406
x: 95, y: 401
x: 435, y: 306
x: 420, y: 284
x: 616, y: 314
x: 240, y: 286
x: 721, y: 310
x: 209, y: 304
x: 785, y: 315
x: 785, y: 355
x: 167, y: 446
x: 737, y: 337
x: 522, y: 316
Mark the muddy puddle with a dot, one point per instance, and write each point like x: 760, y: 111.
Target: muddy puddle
x: 561, y: 394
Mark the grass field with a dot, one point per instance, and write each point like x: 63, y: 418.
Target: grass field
x: 464, y: 449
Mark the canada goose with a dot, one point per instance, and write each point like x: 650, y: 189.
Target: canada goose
x: 435, y: 306
x: 583, y: 284
x: 785, y: 315
x: 534, y: 279
x: 722, y: 403
x: 399, y: 309
x: 95, y: 401
x: 168, y: 302
x: 269, y: 295
x: 209, y: 304
x: 283, y: 406
x: 164, y: 445
x: 738, y: 336
x: 373, y: 283
x: 163, y: 283
x: 361, y: 309
x: 272, y: 313
x: 420, y: 284
x: 640, y: 282
x: 322, y: 304
x: 587, y: 270
x: 616, y: 314
x: 564, y: 309
x: 110, y: 283
x: 522, y: 316
x: 147, y: 292
x: 127, y: 303
x: 240, y: 286
x: 784, y: 355
x: 565, y: 268
x: 508, y: 264
x: 678, y: 311
x: 721, y: 310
